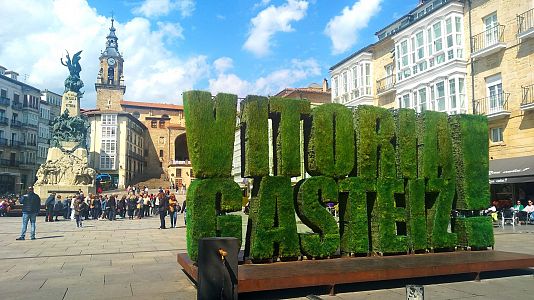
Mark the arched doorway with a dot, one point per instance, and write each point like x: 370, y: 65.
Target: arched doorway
x: 180, y: 148
x: 180, y: 171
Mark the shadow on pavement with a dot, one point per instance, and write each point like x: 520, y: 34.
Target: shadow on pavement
x: 50, y: 237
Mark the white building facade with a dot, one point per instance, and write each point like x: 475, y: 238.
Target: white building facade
x: 430, y: 59
x: 352, y: 79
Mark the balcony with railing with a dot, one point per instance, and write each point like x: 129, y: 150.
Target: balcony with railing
x: 488, y: 42
x: 16, y: 144
x: 9, y: 163
x: 180, y: 163
x: 26, y: 106
x: 43, y: 140
x: 494, y: 107
x: 525, y: 25
x: 31, y: 125
x: 31, y: 144
x: 385, y: 85
x: 16, y: 124
x: 16, y: 106
x: 137, y: 156
x: 4, y: 121
x: 26, y: 164
x: 527, y: 102
x: 4, y: 101
x: 3, y: 142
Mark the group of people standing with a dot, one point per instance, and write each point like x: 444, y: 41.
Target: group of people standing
x: 137, y: 204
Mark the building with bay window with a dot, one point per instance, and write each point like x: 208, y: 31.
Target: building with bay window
x: 430, y: 57
x: 351, y: 79
x: 116, y: 143
x: 418, y: 62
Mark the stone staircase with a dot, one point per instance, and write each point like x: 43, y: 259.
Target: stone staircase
x: 154, y: 183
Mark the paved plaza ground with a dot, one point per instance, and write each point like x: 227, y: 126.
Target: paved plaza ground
x: 133, y: 259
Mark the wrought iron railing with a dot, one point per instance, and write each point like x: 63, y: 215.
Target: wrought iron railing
x: 488, y: 38
x: 9, y: 163
x: 4, y: 121
x: 43, y: 140
x: 137, y: 156
x: 3, y: 142
x: 528, y: 94
x: 14, y: 143
x: 16, y: 105
x: 493, y: 104
x: 4, y: 101
x: 525, y: 21
x: 385, y: 84
x: 15, y: 123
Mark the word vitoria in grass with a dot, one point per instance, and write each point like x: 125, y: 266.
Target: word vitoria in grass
x: 394, y: 178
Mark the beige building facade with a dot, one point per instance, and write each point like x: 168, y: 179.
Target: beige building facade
x: 501, y: 69
x: 167, y: 154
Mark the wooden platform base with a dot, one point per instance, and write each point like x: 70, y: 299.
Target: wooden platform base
x: 329, y: 272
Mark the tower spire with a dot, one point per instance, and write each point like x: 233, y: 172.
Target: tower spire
x: 112, y: 45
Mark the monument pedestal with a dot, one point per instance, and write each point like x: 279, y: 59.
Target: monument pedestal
x: 65, y: 191
x: 65, y: 172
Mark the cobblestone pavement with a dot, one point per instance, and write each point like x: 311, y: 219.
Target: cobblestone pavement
x: 133, y: 259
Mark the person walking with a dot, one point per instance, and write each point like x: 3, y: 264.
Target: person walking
x: 112, y: 204
x: 131, y: 207
x: 173, y: 210
x: 78, y: 211
x: 31, y: 204
x: 49, y: 205
x: 163, y: 207
x: 146, y: 204
x: 140, y: 207
x: 184, y: 211
x: 58, y: 207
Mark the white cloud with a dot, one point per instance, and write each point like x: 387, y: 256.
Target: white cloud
x: 222, y: 64
x: 170, y: 31
x: 343, y: 29
x: 270, y: 84
x: 260, y: 4
x: 156, y: 8
x: 270, y: 21
x: 152, y: 72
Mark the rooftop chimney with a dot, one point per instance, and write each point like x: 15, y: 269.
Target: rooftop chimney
x: 325, y: 85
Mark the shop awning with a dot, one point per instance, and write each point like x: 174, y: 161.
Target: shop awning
x: 511, y: 170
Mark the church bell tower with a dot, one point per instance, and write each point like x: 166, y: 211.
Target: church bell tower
x: 109, y: 84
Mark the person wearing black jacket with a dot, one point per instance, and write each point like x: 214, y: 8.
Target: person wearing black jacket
x: 49, y: 205
x: 112, y: 204
x: 163, y: 206
x: 31, y: 204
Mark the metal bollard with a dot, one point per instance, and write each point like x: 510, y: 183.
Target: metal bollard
x: 217, y: 268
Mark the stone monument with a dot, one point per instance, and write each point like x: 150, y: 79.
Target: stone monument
x: 66, y: 169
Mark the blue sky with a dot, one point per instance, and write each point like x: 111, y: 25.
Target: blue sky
x: 241, y: 47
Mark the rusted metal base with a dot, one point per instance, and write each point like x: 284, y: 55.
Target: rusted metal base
x: 329, y: 272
